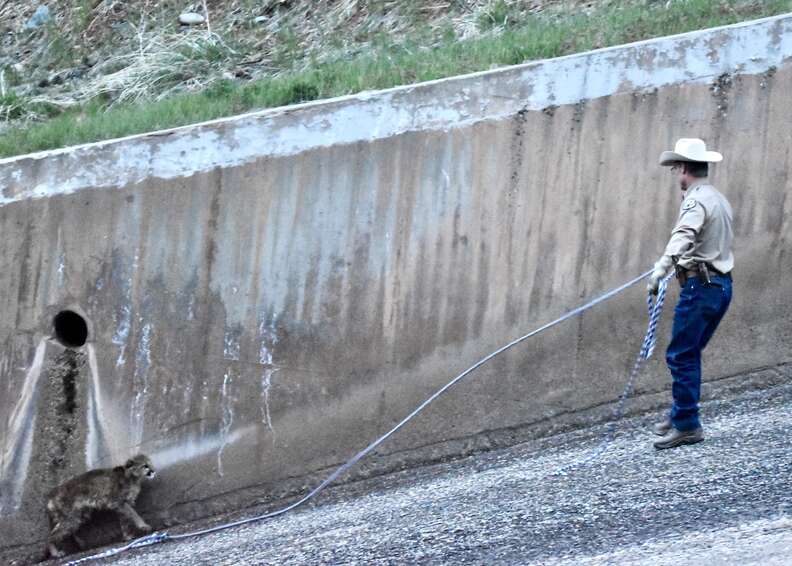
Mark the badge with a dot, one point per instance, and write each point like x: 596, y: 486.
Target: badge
x: 688, y: 204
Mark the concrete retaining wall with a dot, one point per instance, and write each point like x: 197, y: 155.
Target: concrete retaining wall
x: 268, y: 293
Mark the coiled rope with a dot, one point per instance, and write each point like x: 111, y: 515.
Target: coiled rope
x: 655, y: 308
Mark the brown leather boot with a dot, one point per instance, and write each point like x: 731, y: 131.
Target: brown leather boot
x: 661, y: 429
x: 676, y: 438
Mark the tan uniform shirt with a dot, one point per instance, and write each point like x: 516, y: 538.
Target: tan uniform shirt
x: 703, y: 232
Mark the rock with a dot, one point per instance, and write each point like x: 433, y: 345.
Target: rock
x: 40, y: 17
x: 60, y: 77
x: 75, y: 74
x: 56, y: 79
x: 191, y: 19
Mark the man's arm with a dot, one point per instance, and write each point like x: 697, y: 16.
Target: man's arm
x: 683, y: 236
x: 683, y: 239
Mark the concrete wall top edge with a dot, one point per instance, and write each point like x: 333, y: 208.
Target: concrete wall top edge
x: 442, y: 104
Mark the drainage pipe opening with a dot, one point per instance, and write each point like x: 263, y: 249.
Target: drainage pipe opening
x: 71, y: 330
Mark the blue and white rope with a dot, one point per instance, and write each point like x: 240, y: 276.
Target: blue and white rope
x: 655, y: 309
x: 148, y: 540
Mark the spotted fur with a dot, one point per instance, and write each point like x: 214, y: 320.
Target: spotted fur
x: 71, y: 504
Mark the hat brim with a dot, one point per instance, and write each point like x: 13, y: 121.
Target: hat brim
x: 671, y: 157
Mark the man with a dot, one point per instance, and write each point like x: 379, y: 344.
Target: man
x: 700, y: 251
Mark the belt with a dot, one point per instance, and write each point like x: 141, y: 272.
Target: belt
x: 683, y: 274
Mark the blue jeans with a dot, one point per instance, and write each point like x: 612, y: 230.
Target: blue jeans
x: 698, y: 312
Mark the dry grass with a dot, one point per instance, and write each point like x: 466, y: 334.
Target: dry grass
x: 162, y: 66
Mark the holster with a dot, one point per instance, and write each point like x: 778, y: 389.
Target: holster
x: 704, y: 273
x: 700, y: 270
x: 681, y: 274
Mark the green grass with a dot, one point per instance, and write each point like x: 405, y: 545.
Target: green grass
x: 510, y: 40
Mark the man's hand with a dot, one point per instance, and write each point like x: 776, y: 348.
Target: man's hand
x: 654, y: 282
x: 660, y: 271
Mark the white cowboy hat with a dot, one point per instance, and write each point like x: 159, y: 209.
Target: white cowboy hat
x: 690, y: 149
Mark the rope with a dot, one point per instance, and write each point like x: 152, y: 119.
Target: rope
x: 154, y: 538
x: 647, y: 347
x: 655, y: 308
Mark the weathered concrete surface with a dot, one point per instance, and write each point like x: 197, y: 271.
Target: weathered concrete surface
x: 260, y: 307
x: 726, y: 501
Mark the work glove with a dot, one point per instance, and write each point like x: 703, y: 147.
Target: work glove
x: 660, y: 270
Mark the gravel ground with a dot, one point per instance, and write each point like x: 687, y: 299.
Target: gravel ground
x: 727, y: 500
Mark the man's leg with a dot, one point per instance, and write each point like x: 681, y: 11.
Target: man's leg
x: 719, y: 299
x: 684, y: 358
x: 697, y: 316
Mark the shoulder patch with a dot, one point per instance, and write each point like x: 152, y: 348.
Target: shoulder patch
x: 689, y: 203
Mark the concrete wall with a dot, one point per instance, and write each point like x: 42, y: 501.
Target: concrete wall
x: 268, y: 293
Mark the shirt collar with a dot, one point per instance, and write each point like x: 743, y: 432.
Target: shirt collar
x: 696, y: 184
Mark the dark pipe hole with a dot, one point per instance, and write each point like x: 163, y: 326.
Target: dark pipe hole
x: 71, y: 329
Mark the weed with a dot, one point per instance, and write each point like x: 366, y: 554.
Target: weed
x: 16, y: 107
x: 497, y: 14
